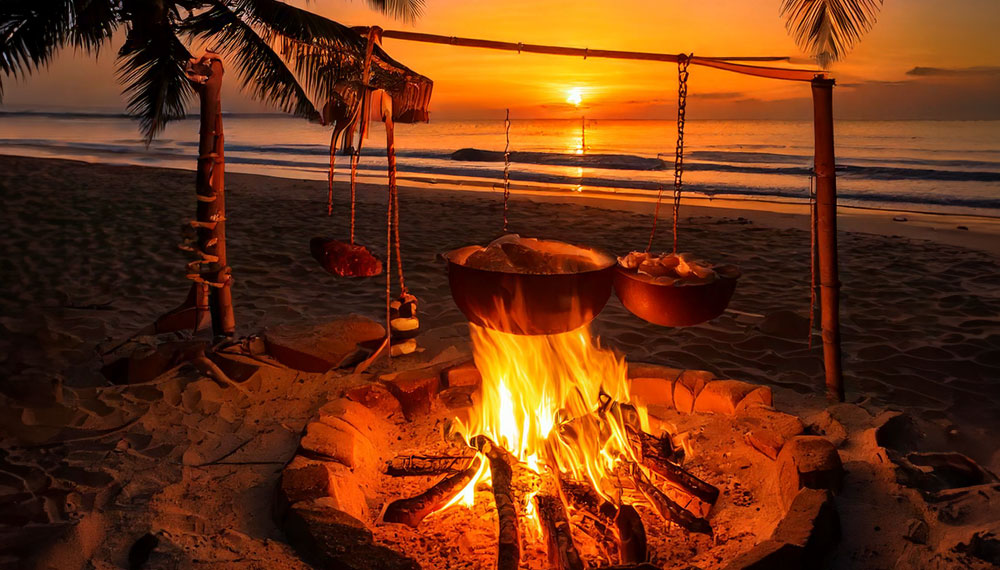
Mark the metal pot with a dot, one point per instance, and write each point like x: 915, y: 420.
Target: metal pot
x: 529, y: 304
x: 673, y: 305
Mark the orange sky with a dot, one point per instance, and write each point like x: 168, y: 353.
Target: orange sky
x: 958, y: 43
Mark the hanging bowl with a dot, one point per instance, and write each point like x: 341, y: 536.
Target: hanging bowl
x: 674, y: 305
x: 527, y: 303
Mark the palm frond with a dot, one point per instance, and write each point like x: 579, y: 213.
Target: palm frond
x: 405, y: 10
x: 94, y: 21
x: 151, y: 65
x: 828, y: 29
x: 261, y: 69
x: 30, y: 33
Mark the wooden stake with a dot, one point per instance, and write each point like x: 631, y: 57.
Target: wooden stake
x: 826, y: 216
x: 211, y: 187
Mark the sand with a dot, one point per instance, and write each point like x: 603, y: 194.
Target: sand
x: 88, y: 255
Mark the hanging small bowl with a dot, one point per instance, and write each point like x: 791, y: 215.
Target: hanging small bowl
x: 675, y: 305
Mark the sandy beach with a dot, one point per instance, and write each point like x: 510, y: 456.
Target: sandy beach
x: 88, y: 256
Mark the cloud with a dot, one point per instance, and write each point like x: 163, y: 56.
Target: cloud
x: 952, y: 72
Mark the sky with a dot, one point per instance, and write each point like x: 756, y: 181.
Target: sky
x: 924, y: 59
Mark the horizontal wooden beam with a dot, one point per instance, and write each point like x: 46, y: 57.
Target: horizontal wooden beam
x: 724, y: 63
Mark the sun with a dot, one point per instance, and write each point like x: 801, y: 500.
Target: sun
x: 574, y: 96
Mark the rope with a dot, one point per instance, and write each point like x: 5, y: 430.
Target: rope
x: 813, y: 228
x: 390, y: 141
x: 329, y: 192
x: 506, y: 168
x: 682, y: 78
x: 363, y: 127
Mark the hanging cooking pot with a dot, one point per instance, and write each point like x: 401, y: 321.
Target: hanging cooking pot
x: 675, y: 304
x: 530, y: 303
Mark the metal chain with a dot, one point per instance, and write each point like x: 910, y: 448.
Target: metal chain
x: 682, y: 90
x: 682, y: 76
x: 506, y: 168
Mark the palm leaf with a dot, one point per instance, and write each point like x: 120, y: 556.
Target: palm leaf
x: 405, y: 10
x: 262, y: 71
x: 828, y: 29
x: 151, y: 66
x: 30, y: 33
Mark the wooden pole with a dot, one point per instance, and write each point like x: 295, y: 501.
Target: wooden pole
x: 826, y: 220
x: 211, y: 212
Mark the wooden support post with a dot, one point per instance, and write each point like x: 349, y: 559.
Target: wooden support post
x: 826, y: 219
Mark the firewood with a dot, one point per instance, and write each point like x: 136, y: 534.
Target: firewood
x: 413, y: 510
x: 666, y: 507
x: 508, y: 542
x: 632, y: 535
x: 562, y: 552
x: 655, y: 454
x: 599, y: 514
x: 642, y: 566
x: 417, y: 465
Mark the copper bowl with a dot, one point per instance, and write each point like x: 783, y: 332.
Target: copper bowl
x: 524, y: 303
x: 673, y: 305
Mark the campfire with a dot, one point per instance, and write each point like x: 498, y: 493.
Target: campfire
x: 552, y: 432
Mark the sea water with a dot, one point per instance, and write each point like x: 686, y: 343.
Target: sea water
x: 936, y: 166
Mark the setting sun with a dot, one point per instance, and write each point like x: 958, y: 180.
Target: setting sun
x: 574, y: 96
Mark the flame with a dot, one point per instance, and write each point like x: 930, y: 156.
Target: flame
x: 546, y: 399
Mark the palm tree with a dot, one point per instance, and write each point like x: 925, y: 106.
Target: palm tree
x: 828, y: 29
x: 286, y: 56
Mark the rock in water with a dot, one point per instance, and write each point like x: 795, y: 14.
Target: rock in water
x: 344, y: 259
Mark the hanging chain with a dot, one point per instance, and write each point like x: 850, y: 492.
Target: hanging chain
x: 506, y: 168
x: 682, y: 91
x: 682, y: 77
x: 812, y: 258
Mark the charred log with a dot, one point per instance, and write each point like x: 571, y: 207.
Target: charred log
x: 598, y: 514
x: 419, y: 465
x: 666, y: 507
x: 508, y: 542
x: 655, y: 453
x: 558, y: 536
x: 632, y: 535
x: 413, y: 510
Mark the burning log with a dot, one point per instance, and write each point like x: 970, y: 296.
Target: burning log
x: 413, y: 510
x: 642, y: 566
x: 632, y: 535
x: 666, y: 507
x: 508, y: 547
x: 417, y: 465
x: 599, y: 513
x: 655, y: 453
x: 558, y: 536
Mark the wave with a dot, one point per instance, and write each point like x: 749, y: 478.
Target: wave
x: 608, y: 161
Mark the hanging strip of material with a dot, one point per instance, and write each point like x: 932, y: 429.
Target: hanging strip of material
x: 506, y: 168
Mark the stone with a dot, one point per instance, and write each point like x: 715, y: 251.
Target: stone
x: 917, y: 531
x: 326, y: 537
x: 785, y: 425
x: 359, y: 417
x: 722, y: 396
x: 759, y: 397
x: 307, y: 480
x: 320, y: 347
x: 378, y: 399
x: 458, y: 397
x: 769, y: 555
x: 414, y: 389
x: 811, y: 523
x: 643, y: 370
x: 766, y: 441
x: 652, y: 392
x: 342, y: 443
x: 826, y: 425
x: 687, y: 387
x: 465, y: 374
x: 808, y: 461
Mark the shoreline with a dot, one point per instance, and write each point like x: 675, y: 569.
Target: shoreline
x: 982, y: 233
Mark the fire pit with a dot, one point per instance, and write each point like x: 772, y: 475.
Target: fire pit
x: 550, y: 452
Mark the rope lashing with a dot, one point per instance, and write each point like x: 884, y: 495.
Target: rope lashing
x: 682, y: 77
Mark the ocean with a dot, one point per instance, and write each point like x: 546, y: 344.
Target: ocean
x: 928, y: 166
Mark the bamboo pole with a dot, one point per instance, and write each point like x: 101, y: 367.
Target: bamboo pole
x: 211, y: 211
x: 725, y: 63
x: 826, y: 219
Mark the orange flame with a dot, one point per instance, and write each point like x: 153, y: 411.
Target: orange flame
x: 546, y: 400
